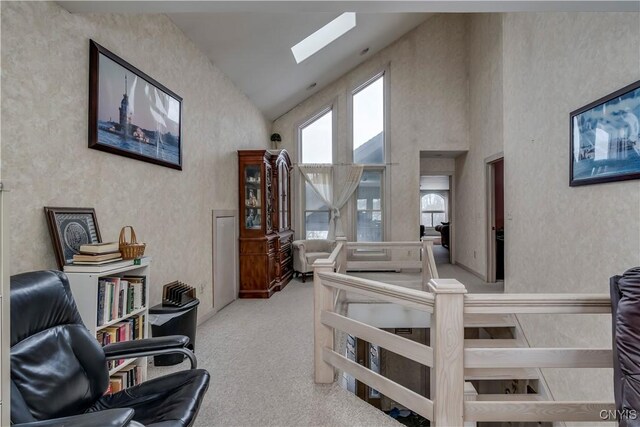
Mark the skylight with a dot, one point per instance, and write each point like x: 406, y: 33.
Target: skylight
x: 324, y: 36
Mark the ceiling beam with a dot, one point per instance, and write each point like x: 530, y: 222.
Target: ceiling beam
x: 338, y: 6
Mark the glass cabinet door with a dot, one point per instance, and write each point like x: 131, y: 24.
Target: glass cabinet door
x: 268, y: 198
x: 252, y: 195
x: 285, y: 196
x: 281, y: 198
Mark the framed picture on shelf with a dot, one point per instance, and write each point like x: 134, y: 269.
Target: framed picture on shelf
x: 605, y: 139
x: 69, y: 229
x: 131, y: 114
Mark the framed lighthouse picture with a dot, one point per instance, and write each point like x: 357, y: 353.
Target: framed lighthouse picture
x: 131, y: 114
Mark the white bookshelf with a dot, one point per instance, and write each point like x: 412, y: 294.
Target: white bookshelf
x: 84, y: 287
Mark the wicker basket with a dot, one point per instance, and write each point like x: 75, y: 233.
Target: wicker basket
x: 133, y: 249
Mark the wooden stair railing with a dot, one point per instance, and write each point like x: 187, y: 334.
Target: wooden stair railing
x: 451, y: 357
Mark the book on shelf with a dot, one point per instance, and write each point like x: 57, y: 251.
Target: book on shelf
x: 81, y: 258
x: 139, y: 291
x: 79, y: 268
x: 127, y: 377
x: 104, y: 262
x: 99, y: 248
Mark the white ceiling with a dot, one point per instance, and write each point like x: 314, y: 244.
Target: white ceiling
x: 254, y: 50
x: 250, y: 41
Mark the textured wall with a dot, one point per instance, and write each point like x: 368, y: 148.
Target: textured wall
x: 562, y: 239
x: 428, y: 109
x: 434, y: 166
x: 46, y: 162
x: 485, y: 140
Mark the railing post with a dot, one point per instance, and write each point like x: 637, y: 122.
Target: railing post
x: 323, y: 335
x: 341, y: 261
x: 447, y: 341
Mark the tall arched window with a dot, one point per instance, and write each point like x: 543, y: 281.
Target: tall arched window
x: 433, y: 209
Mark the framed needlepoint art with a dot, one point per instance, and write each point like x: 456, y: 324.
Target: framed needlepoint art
x: 71, y: 228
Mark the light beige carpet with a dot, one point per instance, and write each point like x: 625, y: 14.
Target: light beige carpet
x: 260, y: 356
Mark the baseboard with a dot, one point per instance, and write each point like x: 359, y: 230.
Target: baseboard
x: 471, y: 270
x: 208, y: 315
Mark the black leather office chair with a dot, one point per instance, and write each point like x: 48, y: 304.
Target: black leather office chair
x: 59, y: 371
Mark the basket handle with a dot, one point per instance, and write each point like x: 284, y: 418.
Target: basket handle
x: 122, y: 241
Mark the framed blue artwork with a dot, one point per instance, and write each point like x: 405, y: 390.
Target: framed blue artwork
x: 605, y: 139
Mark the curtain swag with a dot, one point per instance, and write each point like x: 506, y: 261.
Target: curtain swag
x: 334, y: 185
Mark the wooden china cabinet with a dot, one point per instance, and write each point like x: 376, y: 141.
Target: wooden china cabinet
x: 266, y: 263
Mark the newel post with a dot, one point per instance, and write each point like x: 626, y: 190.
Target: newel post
x: 447, y: 341
x: 323, y: 335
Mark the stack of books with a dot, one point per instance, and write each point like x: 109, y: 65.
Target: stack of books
x: 97, y: 254
x: 97, y: 258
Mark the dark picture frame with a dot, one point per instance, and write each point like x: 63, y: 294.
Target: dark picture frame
x: 69, y: 229
x: 143, y: 123
x: 605, y: 139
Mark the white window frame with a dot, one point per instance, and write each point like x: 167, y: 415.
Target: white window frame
x: 386, y: 173
x: 299, y: 179
x: 445, y: 194
x: 383, y: 204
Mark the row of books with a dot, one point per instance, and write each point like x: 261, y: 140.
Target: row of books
x: 128, y: 377
x: 127, y: 330
x: 119, y: 296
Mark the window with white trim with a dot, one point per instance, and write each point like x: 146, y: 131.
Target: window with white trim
x: 369, y: 226
x: 368, y: 122
x: 315, y: 142
x: 433, y: 208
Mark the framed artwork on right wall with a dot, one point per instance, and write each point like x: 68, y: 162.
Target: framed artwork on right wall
x: 605, y: 139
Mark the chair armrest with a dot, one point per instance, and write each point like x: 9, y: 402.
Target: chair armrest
x: 298, y: 244
x: 107, y: 418
x: 157, y: 346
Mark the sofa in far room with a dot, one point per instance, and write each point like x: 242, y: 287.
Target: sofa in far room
x: 443, y: 229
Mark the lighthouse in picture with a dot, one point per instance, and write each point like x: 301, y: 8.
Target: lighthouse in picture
x: 124, y: 107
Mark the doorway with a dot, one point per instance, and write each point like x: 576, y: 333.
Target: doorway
x: 495, y: 219
x: 435, y: 213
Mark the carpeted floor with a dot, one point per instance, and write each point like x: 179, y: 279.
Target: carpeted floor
x: 260, y: 356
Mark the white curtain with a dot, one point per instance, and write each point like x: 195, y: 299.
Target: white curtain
x: 334, y: 191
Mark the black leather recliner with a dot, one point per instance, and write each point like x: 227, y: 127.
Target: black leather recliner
x: 625, y: 316
x: 59, y: 371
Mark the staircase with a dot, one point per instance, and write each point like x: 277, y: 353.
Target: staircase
x: 481, y: 368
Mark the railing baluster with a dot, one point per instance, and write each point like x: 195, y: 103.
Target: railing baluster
x: 323, y: 335
x: 447, y: 341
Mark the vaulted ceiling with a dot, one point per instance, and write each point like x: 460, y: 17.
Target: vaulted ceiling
x: 250, y: 41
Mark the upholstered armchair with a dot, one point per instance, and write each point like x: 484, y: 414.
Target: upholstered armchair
x: 305, y: 252
x: 59, y: 370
